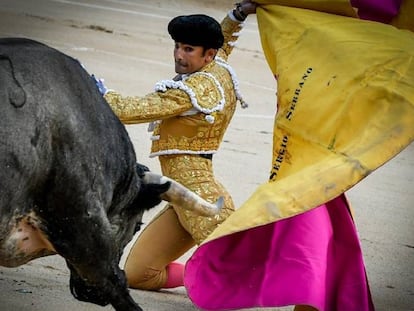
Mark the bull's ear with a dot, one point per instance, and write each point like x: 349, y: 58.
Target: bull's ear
x: 141, y: 169
x: 15, y: 92
x: 150, y: 195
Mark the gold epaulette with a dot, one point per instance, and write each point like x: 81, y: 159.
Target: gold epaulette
x: 208, y: 93
x: 204, y: 90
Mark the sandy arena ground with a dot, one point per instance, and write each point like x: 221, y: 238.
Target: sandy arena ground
x: 127, y: 44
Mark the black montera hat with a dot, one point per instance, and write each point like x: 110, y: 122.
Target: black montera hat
x: 197, y: 29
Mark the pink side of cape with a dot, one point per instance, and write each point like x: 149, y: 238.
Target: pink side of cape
x: 314, y: 258
x: 377, y: 10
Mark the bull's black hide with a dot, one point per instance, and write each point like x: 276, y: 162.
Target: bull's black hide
x: 68, y: 169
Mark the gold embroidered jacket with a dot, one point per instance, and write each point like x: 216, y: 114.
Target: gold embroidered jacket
x: 190, y: 115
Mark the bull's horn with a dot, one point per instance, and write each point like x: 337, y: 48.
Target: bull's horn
x: 181, y: 196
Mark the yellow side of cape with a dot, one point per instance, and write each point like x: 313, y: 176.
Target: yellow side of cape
x: 345, y: 107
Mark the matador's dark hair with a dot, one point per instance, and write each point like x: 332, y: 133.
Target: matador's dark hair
x: 197, y: 30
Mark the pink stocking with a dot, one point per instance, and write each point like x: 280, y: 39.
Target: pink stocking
x: 175, y: 275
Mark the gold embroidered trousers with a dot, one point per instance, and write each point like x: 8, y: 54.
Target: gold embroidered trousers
x: 196, y: 173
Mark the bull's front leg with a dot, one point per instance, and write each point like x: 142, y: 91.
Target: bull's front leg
x: 118, y: 297
x: 87, y: 244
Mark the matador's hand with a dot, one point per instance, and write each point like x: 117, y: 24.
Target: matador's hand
x: 100, y: 85
x: 248, y: 7
x: 243, y: 9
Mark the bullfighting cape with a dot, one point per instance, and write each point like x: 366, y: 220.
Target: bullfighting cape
x: 345, y: 95
x: 345, y: 106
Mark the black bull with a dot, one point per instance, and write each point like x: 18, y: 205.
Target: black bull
x: 69, y: 181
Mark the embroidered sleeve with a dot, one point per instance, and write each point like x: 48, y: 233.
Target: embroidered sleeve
x: 231, y: 31
x: 154, y: 106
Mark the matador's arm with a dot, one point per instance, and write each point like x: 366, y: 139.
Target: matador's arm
x: 152, y: 107
x: 231, y: 31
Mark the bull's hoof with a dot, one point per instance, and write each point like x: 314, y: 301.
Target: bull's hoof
x: 86, y: 293
x: 90, y: 294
